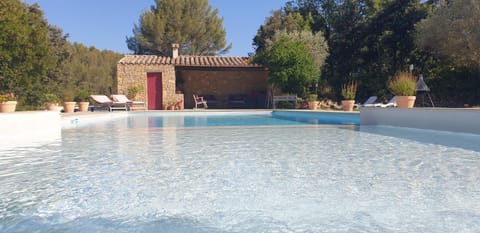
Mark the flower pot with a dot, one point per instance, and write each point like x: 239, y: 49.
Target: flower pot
x: 69, y: 107
x: 83, y: 106
x: 347, y: 105
x: 8, y: 106
x: 51, y: 106
x: 171, y: 107
x: 313, y: 105
x: 405, y: 101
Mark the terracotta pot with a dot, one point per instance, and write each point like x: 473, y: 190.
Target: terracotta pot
x: 313, y: 105
x: 8, y: 106
x: 171, y: 107
x: 51, y: 106
x: 83, y: 106
x: 69, y: 107
x: 405, y: 101
x: 347, y: 105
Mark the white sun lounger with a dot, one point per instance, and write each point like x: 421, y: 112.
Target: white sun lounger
x: 104, y: 101
x: 130, y: 104
x: 370, y: 100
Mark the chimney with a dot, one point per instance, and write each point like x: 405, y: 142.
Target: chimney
x: 175, y: 50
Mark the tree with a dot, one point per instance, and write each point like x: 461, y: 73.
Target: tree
x: 191, y: 23
x: 279, y: 20
x: 291, y: 65
x: 24, y: 50
x: 453, y: 30
x: 316, y: 44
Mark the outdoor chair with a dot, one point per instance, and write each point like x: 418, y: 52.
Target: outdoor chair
x: 104, y: 101
x: 200, y: 101
x: 370, y: 100
x: 131, y: 105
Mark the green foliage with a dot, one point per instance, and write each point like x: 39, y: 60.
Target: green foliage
x: 82, y: 95
x: 349, y: 90
x: 402, y: 84
x: 312, y: 97
x: 191, y: 23
x: 453, y: 31
x: 7, y: 97
x: 50, y: 98
x: 315, y: 43
x: 133, y: 91
x: 291, y: 65
x: 24, y: 50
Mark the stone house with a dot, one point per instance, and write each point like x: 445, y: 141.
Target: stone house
x: 163, y: 80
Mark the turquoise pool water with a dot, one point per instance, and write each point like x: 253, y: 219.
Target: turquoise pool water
x: 125, y: 175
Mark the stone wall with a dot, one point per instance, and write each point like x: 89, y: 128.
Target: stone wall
x: 222, y: 83
x: 129, y: 75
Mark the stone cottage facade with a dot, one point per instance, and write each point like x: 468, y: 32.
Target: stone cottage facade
x: 164, y: 80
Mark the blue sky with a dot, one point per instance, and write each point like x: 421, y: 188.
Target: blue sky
x: 105, y: 23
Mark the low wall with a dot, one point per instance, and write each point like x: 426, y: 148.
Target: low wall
x: 29, y: 128
x: 446, y: 119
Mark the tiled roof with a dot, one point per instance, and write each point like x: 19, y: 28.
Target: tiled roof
x: 192, y: 61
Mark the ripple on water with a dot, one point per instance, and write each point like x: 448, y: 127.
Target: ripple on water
x: 239, y: 179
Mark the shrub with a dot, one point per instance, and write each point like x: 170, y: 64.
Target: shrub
x: 312, y: 97
x: 402, y: 84
x: 349, y: 90
x: 7, y: 97
x: 50, y: 98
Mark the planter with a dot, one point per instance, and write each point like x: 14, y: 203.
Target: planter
x: 83, y: 106
x: 69, y: 107
x: 347, y: 105
x: 171, y: 107
x: 8, y: 106
x: 313, y: 105
x: 51, y: 106
x: 405, y: 101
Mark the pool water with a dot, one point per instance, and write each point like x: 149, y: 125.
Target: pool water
x: 250, y: 178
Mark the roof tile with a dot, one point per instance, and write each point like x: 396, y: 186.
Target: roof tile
x: 194, y: 61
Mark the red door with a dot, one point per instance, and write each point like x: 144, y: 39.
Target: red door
x: 154, y: 91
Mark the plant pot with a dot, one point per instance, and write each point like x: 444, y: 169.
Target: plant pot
x: 405, y: 101
x: 69, y: 107
x: 8, y: 106
x: 171, y: 107
x: 51, y: 106
x: 347, y: 105
x: 313, y: 105
x: 83, y: 106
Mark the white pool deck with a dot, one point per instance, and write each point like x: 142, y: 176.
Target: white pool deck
x: 38, y: 127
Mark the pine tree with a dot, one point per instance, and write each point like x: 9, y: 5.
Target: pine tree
x: 191, y: 23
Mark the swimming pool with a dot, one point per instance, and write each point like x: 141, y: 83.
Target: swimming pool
x: 126, y: 175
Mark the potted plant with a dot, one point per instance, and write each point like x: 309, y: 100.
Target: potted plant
x: 68, y: 103
x: 403, y: 85
x: 82, y: 99
x: 349, y: 90
x: 51, y: 101
x: 133, y: 91
x: 8, y: 102
x: 312, y: 101
x: 171, y: 104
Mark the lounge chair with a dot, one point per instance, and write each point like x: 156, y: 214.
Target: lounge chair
x: 200, y: 101
x: 370, y: 100
x: 130, y: 104
x: 104, y: 101
x: 391, y: 103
